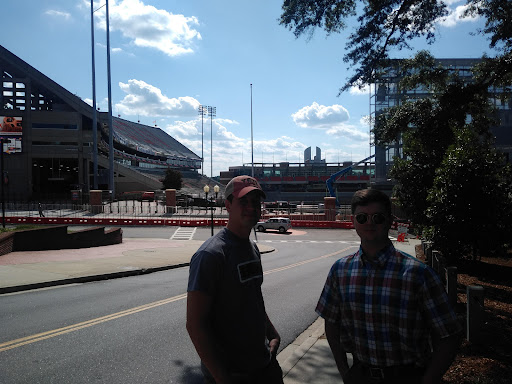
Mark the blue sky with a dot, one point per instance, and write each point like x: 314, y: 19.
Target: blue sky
x: 169, y: 56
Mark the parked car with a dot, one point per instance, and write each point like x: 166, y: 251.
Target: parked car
x: 282, y: 224
x: 148, y: 196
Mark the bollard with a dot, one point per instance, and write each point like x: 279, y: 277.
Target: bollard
x: 475, y: 313
x: 435, y: 261
x: 451, y: 285
x: 427, y: 251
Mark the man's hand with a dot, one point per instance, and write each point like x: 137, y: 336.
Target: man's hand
x: 274, y: 340
x: 274, y: 346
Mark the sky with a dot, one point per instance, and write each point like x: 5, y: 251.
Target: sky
x: 169, y: 56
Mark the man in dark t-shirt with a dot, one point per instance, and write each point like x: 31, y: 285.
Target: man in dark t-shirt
x: 226, y: 317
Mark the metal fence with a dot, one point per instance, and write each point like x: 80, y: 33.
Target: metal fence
x: 157, y: 209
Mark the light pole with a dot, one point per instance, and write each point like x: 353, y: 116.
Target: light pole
x: 212, y: 111
x: 110, y: 120
x: 203, y: 111
x: 216, y: 190
x: 3, y: 178
x: 206, y: 189
x: 94, y: 112
x: 252, y: 143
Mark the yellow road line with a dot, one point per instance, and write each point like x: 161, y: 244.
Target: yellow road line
x: 75, y: 327
x: 89, y: 323
x: 307, y: 261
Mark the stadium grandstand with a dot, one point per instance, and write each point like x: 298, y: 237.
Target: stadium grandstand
x: 48, y: 142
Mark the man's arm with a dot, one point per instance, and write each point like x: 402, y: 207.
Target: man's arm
x: 443, y: 355
x: 199, y: 306
x: 332, y: 333
x: 273, y: 337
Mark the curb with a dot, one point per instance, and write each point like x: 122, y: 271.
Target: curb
x: 106, y: 276
x: 293, y: 353
x: 88, y: 279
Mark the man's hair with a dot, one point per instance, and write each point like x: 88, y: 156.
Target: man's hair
x: 368, y: 196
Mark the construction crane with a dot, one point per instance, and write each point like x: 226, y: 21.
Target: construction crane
x: 330, y: 181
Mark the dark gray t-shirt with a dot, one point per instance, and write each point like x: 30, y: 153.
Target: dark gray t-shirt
x: 229, y: 270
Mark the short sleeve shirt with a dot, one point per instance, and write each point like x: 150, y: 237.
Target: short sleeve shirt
x: 387, y: 309
x: 229, y: 270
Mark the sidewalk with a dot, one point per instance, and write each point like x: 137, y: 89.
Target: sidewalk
x: 307, y: 360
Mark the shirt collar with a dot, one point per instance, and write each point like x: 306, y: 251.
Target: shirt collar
x: 382, y: 256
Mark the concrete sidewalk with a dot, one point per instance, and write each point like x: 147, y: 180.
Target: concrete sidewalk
x: 307, y: 360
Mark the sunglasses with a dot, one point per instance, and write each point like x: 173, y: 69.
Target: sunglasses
x: 376, y: 218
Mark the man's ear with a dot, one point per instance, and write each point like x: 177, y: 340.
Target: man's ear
x: 227, y: 204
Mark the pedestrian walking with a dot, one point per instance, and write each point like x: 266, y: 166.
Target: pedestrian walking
x: 386, y: 308
x: 226, y: 316
x: 40, y: 207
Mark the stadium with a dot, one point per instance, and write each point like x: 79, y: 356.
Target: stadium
x: 47, y: 135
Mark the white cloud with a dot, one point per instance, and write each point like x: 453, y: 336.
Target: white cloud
x: 349, y: 132
x: 364, y: 91
x: 333, y: 119
x: 320, y: 116
x: 147, y: 26
x: 184, y: 129
x: 228, y: 148
x: 455, y: 17
x: 58, y: 14
x: 147, y: 100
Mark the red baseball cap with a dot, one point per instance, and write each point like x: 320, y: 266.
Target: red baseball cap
x: 241, y: 185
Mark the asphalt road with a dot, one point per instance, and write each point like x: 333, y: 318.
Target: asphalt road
x: 132, y: 330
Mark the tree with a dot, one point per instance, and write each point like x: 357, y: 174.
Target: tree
x: 470, y: 202
x: 447, y: 146
x: 451, y: 181
x: 386, y: 25
x: 172, y: 180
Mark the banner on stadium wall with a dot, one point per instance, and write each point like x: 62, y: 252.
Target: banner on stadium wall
x: 11, y: 125
x: 11, y: 144
x: 11, y: 130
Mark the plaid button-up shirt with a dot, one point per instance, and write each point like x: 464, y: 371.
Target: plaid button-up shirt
x: 387, y: 309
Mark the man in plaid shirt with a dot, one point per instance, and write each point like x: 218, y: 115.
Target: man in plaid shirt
x: 385, y: 307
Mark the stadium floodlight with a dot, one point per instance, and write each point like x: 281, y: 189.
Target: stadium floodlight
x: 212, y: 111
x: 203, y: 111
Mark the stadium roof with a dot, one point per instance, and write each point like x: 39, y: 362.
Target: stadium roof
x: 151, y: 140
x: 143, y: 138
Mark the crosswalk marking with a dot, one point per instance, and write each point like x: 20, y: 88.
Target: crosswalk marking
x: 184, y: 233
